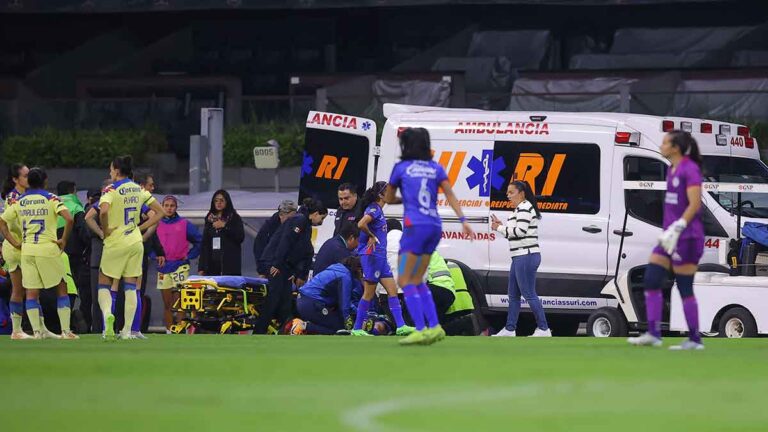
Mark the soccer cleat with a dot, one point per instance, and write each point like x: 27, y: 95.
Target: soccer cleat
x: 645, y: 339
x: 37, y: 335
x: 139, y: 335
x: 298, y: 327
x: 415, y: 338
x: 688, y: 345
x: 109, y: 329
x: 405, y: 330
x: 542, y: 333
x: 360, y: 333
x: 126, y: 336
x: 47, y: 334
x: 505, y: 333
x: 21, y: 336
x: 68, y: 335
x: 435, y: 334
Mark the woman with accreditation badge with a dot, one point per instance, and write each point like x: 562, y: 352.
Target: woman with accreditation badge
x: 181, y: 243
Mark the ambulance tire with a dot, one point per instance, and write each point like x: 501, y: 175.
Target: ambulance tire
x: 474, y: 286
x: 607, y: 322
x: 737, y: 323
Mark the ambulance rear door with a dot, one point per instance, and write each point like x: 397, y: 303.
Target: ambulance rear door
x: 337, y: 149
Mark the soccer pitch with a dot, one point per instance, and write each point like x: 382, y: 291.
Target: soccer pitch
x: 314, y: 383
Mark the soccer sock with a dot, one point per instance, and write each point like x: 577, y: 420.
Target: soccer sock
x: 691, y: 310
x: 130, y: 306
x: 362, y: 313
x: 17, y: 312
x: 113, y: 295
x: 33, y: 312
x: 62, y: 307
x: 413, y: 302
x: 42, y: 317
x: 428, y: 305
x: 396, y: 310
x: 105, y: 302
x: 137, y: 318
x: 653, y: 303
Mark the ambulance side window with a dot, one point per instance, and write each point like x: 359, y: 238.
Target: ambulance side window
x: 645, y: 205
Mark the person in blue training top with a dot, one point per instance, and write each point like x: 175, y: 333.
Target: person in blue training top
x: 418, y: 177
x: 337, y: 248
x: 325, y: 306
x: 373, y: 258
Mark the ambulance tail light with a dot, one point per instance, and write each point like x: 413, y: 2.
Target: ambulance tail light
x: 667, y: 125
x: 742, y: 131
x: 706, y: 128
x: 631, y: 138
x: 749, y: 142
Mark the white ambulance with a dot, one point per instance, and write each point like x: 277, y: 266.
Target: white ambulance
x: 592, y: 229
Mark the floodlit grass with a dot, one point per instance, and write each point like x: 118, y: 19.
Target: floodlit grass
x: 313, y: 383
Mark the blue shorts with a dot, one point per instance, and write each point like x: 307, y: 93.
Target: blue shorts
x: 689, y: 251
x: 420, y: 239
x: 375, y: 267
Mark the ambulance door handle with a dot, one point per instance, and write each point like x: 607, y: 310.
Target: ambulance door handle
x: 623, y: 233
x: 591, y: 229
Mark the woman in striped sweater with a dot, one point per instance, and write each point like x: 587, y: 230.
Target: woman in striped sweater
x: 522, y: 232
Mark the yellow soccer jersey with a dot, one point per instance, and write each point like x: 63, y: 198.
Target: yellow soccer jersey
x: 125, y: 199
x: 14, y: 227
x: 37, y: 212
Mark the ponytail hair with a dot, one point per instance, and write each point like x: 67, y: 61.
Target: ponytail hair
x: 687, y: 145
x: 124, y: 165
x: 373, y: 193
x: 311, y: 205
x: 13, y: 173
x: 37, y: 177
x: 529, y: 196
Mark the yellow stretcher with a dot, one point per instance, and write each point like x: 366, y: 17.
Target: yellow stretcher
x: 221, y: 304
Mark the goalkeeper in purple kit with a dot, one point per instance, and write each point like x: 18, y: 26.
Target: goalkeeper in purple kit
x: 681, y: 245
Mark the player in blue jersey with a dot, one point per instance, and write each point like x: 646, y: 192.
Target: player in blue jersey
x: 418, y: 178
x: 681, y: 245
x: 372, y: 250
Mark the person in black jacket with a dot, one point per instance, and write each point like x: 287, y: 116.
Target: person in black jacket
x: 335, y: 249
x: 286, y: 210
x: 288, y: 256
x: 221, y: 252
x: 349, y: 211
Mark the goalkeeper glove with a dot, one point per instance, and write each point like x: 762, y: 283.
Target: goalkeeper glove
x: 668, y: 239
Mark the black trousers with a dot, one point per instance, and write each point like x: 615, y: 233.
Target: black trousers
x: 443, y: 300
x: 277, y: 305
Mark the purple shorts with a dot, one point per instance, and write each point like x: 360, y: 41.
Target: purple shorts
x: 689, y: 251
x: 375, y: 267
x: 420, y: 239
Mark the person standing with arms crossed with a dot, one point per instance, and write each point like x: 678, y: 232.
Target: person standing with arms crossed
x: 418, y: 178
x: 522, y: 231
x: 681, y: 245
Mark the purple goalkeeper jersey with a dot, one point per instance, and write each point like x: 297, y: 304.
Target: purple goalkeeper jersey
x: 687, y: 174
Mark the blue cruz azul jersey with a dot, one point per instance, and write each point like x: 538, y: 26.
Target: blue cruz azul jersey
x: 418, y: 181
x: 378, y: 226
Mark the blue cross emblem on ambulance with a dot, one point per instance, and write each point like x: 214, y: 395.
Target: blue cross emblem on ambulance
x: 486, y: 173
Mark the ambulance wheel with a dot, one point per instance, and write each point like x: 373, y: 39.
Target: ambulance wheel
x: 607, y: 322
x: 737, y: 323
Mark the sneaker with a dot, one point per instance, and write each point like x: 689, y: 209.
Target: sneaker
x: 21, y: 336
x: 645, y: 339
x: 139, y: 335
x: 68, y: 335
x: 415, y: 338
x: 360, y: 333
x: 505, y: 333
x: 688, y: 345
x: 542, y: 333
x: 298, y: 327
x: 405, y: 330
x: 47, y: 334
x: 109, y: 329
x: 434, y: 334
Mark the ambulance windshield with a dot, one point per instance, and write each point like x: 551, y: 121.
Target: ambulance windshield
x: 738, y: 170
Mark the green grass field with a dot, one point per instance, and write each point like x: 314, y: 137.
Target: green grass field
x: 207, y: 382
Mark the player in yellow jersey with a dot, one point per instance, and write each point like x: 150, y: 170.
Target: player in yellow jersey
x: 36, y: 211
x: 120, y: 213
